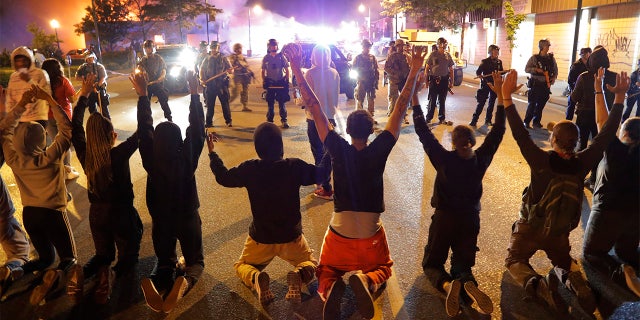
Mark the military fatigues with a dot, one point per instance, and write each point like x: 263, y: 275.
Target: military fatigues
x: 538, y: 87
x: 440, y: 67
x: 397, y: 69
x: 242, y: 76
x: 487, y: 66
x: 217, y: 88
x: 99, y: 71
x: 368, y: 75
x: 153, y: 65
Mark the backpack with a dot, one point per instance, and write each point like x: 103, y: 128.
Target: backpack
x: 558, y: 211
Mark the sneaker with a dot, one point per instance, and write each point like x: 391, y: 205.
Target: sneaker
x: 537, y: 125
x: 75, y: 282
x: 294, y: 282
x: 406, y: 120
x: 105, y: 284
x: 245, y: 109
x: 332, y: 300
x: 151, y: 295
x: 480, y: 298
x: 229, y: 124
x: 452, y: 303
x: 51, y: 276
x: 285, y: 125
x: 526, y: 125
x: 546, y: 290
x: 445, y: 122
x: 261, y: 285
x: 473, y: 124
x: 72, y: 173
x: 632, y: 280
x: 359, y: 283
x: 177, y: 292
x: 578, y: 285
x: 323, y: 194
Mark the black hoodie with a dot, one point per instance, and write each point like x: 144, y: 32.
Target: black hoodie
x: 583, y: 93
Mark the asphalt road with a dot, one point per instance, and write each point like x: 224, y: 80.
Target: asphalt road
x: 225, y: 213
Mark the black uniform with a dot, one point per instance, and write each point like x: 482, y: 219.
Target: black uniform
x: 487, y: 66
x: 577, y: 68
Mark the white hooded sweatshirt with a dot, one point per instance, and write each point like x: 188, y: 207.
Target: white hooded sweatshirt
x: 39, y: 110
x: 324, y: 81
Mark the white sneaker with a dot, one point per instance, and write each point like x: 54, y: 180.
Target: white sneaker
x: 71, y: 172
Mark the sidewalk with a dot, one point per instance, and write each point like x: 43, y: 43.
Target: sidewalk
x: 556, y: 100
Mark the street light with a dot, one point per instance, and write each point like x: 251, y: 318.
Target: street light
x: 55, y: 25
x: 257, y: 9
x: 361, y: 9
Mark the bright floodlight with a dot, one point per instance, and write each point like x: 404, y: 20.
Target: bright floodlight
x: 361, y: 7
x: 54, y: 24
x: 257, y: 9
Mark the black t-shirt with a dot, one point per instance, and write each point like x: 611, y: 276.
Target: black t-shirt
x: 617, y: 186
x: 357, y: 174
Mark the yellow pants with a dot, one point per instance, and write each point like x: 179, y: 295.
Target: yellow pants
x: 256, y: 256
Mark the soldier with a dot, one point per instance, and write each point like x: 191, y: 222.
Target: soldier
x: 213, y: 76
x: 242, y: 76
x: 203, y: 53
x: 275, y: 79
x: 91, y: 66
x: 397, y: 70
x: 440, y: 70
x: 156, y: 69
x: 366, y: 66
x: 487, y: 66
x: 544, y: 71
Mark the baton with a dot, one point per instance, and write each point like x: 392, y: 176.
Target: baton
x: 489, y: 75
x: 204, y: 84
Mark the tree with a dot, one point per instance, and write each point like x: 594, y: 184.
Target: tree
x: 512, y: 22
x: 112, y: 20
x: 144, y: 12
x: 445, y: 14
x: 183, y: 12
x: 46, y: 43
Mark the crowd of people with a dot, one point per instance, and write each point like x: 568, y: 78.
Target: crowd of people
x: 39, y: 126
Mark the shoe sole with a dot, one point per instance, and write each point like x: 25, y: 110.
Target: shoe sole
x: 294, y: 283
x: 633, y: 283
x: 151, y: 295
x: 323, y: 197
x: 331, y: 309
x: 364, y: 299
x: 176, y: 293
x: 480, y: 298
x: 264, y: 293
x: 40, y: 291
x: 452, y: 303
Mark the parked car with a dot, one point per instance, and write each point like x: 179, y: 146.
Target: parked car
x: 338, y: 60
x: 76, y: 56
x: 179, y: 59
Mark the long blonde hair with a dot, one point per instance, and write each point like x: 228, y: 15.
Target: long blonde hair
x: 98, y: 160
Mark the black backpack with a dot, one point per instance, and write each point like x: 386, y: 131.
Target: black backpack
x: 558, y: 211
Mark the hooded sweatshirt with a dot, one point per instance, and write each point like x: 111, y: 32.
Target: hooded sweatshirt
x: 38, y: 110
x: 583, y: 93
x: 38, y: 169
x: 324, y: 81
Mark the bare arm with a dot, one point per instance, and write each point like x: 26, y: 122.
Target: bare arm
x: 602, y: 114
x: 294, y: 53
x: 417, y: 60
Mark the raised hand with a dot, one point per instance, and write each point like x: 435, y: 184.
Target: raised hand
x: 211, y: 138
x: 418, y: 53
x: 621, y: 87
x: 496, y: 86
x: 510, y: 84
x: 139, y: 81
x: 87, y: 85
x: 293, y: 52
x: 598, y: 79
x: 28, y: 96
x: 193, y: 81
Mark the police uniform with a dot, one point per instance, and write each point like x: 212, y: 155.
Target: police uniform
x: 539, y: 88
x: 100, y: 72
x: 440, y: 68
x: 153, y: 65
x: 487, y: 66
x: 217, y: 88
x: 276, y: 84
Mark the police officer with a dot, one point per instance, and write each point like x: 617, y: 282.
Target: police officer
x: 544, y: 70
x: 156, y: 70
x: 214, y: 77
x: 440, y: 70
x: 487, y: 66
x: 576, y: 69
x: 242, y: 76
x: 366, y: 65
x: 397, y: 70
x: 203, y: 53
x: 275, y: 79
x: 91, y: 66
